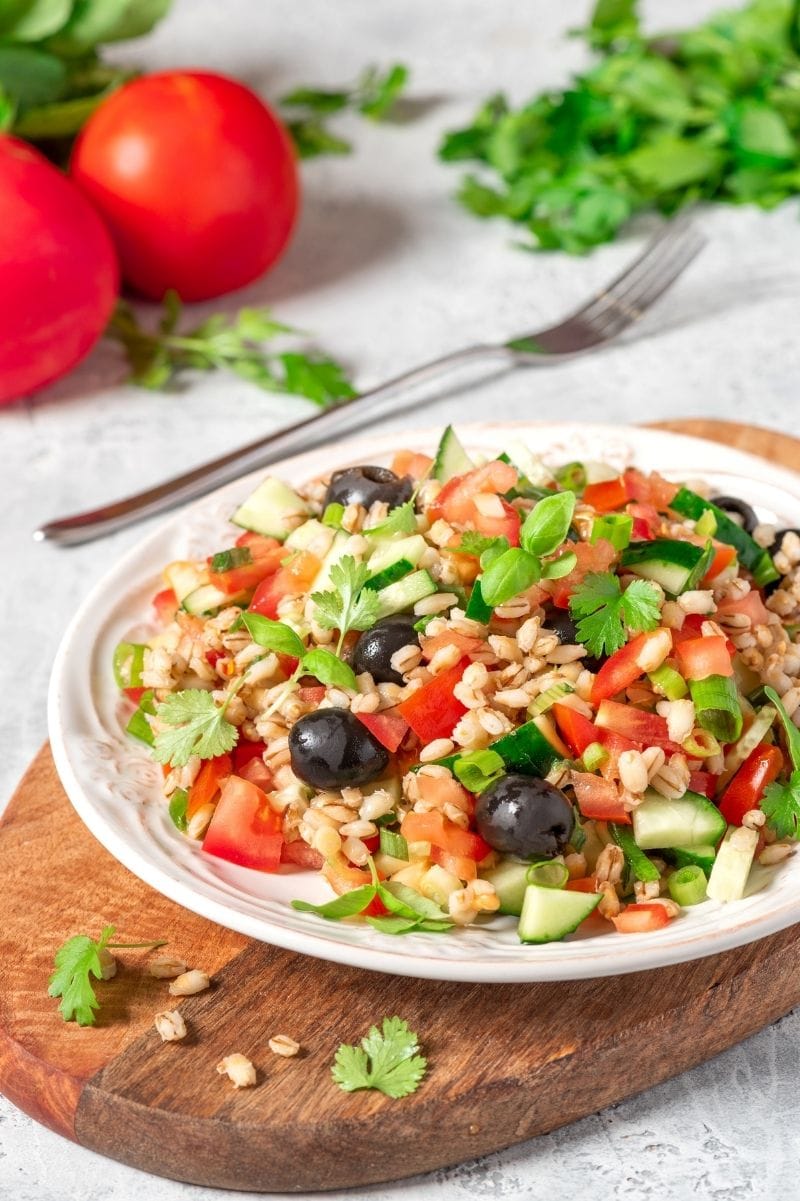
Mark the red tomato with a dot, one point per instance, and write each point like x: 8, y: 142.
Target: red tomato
x: 576, y: 730
x: 598, y: 798
x: 641, y: 918
x: 703, y: 657
x: 435, y: 828
x: 58, y: 272
x: 606, y: 496
x: 623, y: 667
x: 751, y: 605
x: 615, y: 745
x: 466, y: 643
x: 410, y: 462
x: 196, y: 179
x: 343, y: 877
x: 244, y: 828
x: 650, y: 489
x: 134, y: 694
x: 388, y: 727
x: 432, y: 711
x: 165, y: 604
x: 207, y: 782
x: 458, y: 865
x: 248, y: 762
x: 591, y: 556
x: 312, y: 694
x: 723, y: 557
x: 455, y: 503
x: 704, y: 783
x: 646, y: 521
x: 746, y: 788
x: 291, y: 580
x: 636, y: 724
x: 301, y: 855
x: 248, y: 576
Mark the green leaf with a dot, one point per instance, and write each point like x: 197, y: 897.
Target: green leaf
x: 613, y: 20
x: 311, y: 139
x: 347, y: 905
x: 196, y: 725
x: 33, y: 20
x: 509, y: 575
x: 414, y: 901
x: 31, y: 77
x: 273, y: 635
x: 62, y: 119
x: 380, y: 91
x: 478, y: 769
x: 393, y: 924
x: 670, y: 162
x: 387, y: 1059
x: 556, y: 569
x: 790, y: 729
x: 547, y: 524
x: 76, y: 961
x: 319, y: 379
x: 601, y: 611
x: 760, y: 135
x: 98, y: 21
x: 473, y: 543
x: 401, y: 520
x: 319, y: 100
x: 781, y: 804
x: 348, y: 605
x: 329, y: 669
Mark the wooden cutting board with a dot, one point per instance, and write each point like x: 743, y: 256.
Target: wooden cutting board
x: 506, y: 1062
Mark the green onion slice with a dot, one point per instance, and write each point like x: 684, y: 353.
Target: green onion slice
x: 616, y: 528
x: 669, y: 682
x: 687, y: 885
x: 594, y: 756
x: 177, y: 808
x: 548, y: 873
x: 139, y: 726
x: 393, y: 844
x: 128, y: 663
x: 717, y: 705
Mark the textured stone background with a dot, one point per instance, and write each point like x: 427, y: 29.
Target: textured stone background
x: 387, y: 271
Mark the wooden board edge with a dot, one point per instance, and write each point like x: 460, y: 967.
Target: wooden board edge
x: 44, y: 1093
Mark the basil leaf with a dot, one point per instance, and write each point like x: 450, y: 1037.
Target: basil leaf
x: 559, y: 567
x: 510, y: 574
x: 547, y: 524
x: 329, y: 669
x: 346, y: 905
x: 273, y: 635
x: 414, y: 900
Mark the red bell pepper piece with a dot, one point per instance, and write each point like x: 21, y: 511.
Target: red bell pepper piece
x: 432, y: 711
x: 702, y: 657
x: 746, y: 789
x: 576, y: 730
x: 650, y: 729
x: 388, y: 727
x: 606, y: 496
x: 623, y: 667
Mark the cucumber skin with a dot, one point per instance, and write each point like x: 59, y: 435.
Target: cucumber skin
x: 535, y: 929
x: 389, y: 575
x: 711, y: 836
x: 751, y: 555
x: 664, y: 557
x: 450, y: 459
x: 703, y: 856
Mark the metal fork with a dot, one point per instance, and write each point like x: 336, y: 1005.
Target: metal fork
x: 611, y: 311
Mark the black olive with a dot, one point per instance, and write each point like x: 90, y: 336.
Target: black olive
x: 331, y: 748
x: 776, y: 545
x: 524, y: 816
x: 375, y: 647
x: 561, y: 622
x: 365, y: 485
x: 732, y: 504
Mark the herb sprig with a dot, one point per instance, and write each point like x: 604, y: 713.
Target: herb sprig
x: 76, y: 961
x: 602, y: 611
x: 408, y: 910
x: 373, y: 95
x: 508, y: 571
x: 319, y: 662
x: 781, y: 801
x: 348, y: 605
x: 195, y: 725
x: 387, y: 1060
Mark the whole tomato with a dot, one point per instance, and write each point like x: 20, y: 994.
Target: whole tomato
x: 196, y: 179
x: 58, y: 272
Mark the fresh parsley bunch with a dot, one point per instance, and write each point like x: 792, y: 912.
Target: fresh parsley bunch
x: 509, y: 570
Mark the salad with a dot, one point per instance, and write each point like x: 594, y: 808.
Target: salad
x: 463, y: 688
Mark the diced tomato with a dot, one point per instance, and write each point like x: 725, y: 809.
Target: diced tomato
x: 411, y: 462
x: 456, y: 504
x: 389, y: 727
x: 312, y: 694
x: 466, y: 567
x: 576, y: 730
x: 584, y: 884
x: 134, y: 694
x: 702, y: 657
x: 165, y: 604
x: 301, y: 855
x: 213, y: 657
x: 248, y: 762
x: 623, y: 667
x: 693, y: 628
x: 615, y: 745
x: 292, y: 580
x: 207, y: 782
x: 244, y: 751
x: 649, y: 729
x: 746, y: 789
x: 343, y: 877
x: 650, y: 489
x: 598, y: 798
x: 288, y: 664
x: 245, y: 829
x: 641, y: 918
x: 646, y: 521
x: 607, y: 495
x: 432, y: 711
x: 249, y: 575
x: 466, y: 643
x: 724, y: 555
x: 704, y: 783
x: 259, y: 545
x: 439, y: 831
x: 751, y: 605
x: 444, y: 790
x: 376, y: 908
x: 458, y: 865
x: 591, y: 556
x: 595, y: 923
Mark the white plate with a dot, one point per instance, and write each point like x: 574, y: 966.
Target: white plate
x: 114, y: 785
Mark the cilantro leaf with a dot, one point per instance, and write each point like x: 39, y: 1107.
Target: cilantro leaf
x: 473, y: 543
x: 387, y: 1059
x: 348, y: 605
x: 602, y: 611
x: 781, y: 804
x: 76, y: 961
x: 401, y: 520
x: 196, y: 725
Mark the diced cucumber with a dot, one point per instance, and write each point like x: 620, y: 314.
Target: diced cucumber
x: 271, y: 509
x: 404, y: 594
x: 338, y: 550
x: 391, y: 550
x: 669, y: 562
x: 389, y: 575
x: 312, y: 536
x: 451, y: 458
x: 751, y: 555
x: 635, y: 857
x: 694, y: 857
x: 728, y: 879
x: 207, y: 600
x: 477, y: 608
x: 741, y: 750
x: 528, y: 464
x: 183, y: 578
x: 550, y: 914
x: 690, y: 821
x: 510, y: 879
x: 527, y: 750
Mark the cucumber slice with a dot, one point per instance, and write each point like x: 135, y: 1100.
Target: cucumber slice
x: 391, y: 550
x: 389, y: 575
x: 550, y: 914
x: 667, y: 561
x: 527, y: 750
x: 271, y: 509
x: 338, y: 550
x: 510, y: 879
x: 404, y: 594
x: 728, y: 879
x: 451, y: 458
x: 477, y: 608
x: 183, y: 578
x: 690, y: 821
x: 207, y: 600
x: 531, y: 467
x: 751, y: 555
x: 694, y: 857
x: 312, y: 536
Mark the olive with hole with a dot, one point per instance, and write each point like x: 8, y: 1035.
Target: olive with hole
x: 331, y: 748
x: 366, y: 485
x: 737, y: 508
x: 561, y: 622
x: 375, y: 647
x: 524, y: 816
x: 778, y: 539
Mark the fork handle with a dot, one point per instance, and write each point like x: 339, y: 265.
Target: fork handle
x: 302, y: 436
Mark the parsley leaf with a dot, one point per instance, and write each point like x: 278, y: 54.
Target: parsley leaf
x: 781, y: 804
x: 473, y: 543
x: 401, y: 520
x: 76, y: 961
x: 602, y: 611
x: 373, y: 95
x: 349, y: 605
x: 387, y: 1059
x: 196, y: 725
